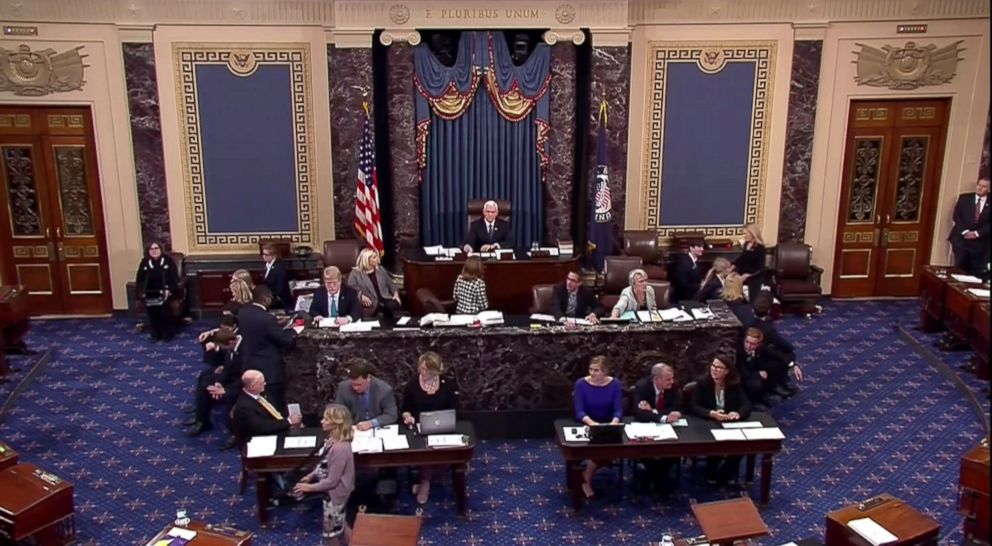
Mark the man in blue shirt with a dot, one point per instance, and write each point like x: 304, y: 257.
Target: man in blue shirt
x: 369, y: 399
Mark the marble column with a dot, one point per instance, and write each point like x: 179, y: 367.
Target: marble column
x: 983, y: 168
x: 405, y: 191
x: 350, y: 82
x: 799, y: 139
x: 146, y: 141
x: 559, y: 176
x: 610, y: 75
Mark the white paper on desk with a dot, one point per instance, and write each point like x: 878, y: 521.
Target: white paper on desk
x: 443, y: 259
x: 490, y: 318
x: 979, y: 292
x: 445, y: 440
x: 551, y: 250
x: 300, y: 442
x: 727, y: 434
x: 359, y: 326
x: 293, y: 409
x: 327, y: 322
x: 261, y: 446
x: 683, y: 422
x: 185, y: 534
x: 653, y: 431
x: 871, y: 531
x: 628, y: 315
x: 403, y: 321
x: 702, y: 313
x: 670, y: 314
x: 542, y: 318
x: 742, y: 424
x: 787, y: 543
x: 303, y: 302
x: 578, y: 321
x: 683, y: 317
x: 648, y: 316
x: 576, y: 434
x: 366, y: 445
x: 764, y: 433
x: 431, y: 318
x: 458, y: 320
x: 433, y: 250
x: 393, y: 443
x: 389, y: 431
x: 966, y: 278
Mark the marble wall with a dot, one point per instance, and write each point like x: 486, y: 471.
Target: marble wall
x: 146, y: 142
x: 610, y: 75
x: 799, y: 140
x: 405, y: 191
x: 349, y: 73
x: 559, y: 177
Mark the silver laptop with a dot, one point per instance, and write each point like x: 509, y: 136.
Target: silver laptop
x: 437, y: 422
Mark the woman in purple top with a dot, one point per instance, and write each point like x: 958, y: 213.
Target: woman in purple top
x: 598, y: 400
x: 335, y: 475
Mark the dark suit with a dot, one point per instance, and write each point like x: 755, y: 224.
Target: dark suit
x: 230, y: 378
x: 262, y: 344
x: 644, y: 392
x: 251, y: 419
x: 767, y: 360
x: 382, y: 403
x: 970, y: 255
x: 686, y: 278
x: 720, y: 469
x: 478, y: 234
x: 348, y: 304
x: 774, y: 340
x: 585, y: 302
x: 278, y: 281
x: 712, y: 290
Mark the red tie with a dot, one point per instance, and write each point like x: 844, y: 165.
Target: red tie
x: 660, y: 403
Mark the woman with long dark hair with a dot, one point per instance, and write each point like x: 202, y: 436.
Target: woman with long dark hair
x: 156, y: 284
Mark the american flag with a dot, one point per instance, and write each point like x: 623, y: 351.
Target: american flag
x: 367, y: 221
x: 599, y: 242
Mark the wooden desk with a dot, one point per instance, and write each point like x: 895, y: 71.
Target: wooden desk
x: 974, y: 492
x: 961, y: 306
x: 726, y: 521
x: 694, y: 440
x: 933, y: 296
x: 208, y: 276
x: 419, y: 454
x: 508, y: 282
x: 209, y: 535
x: 902, y: 520
x: 385, y: 530
x: 8, y: 457
x: 33, y: 507
x: 980, y: 340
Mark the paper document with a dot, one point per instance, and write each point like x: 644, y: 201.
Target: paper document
x: 433, y: 250
x: 327, y: 322
x: 683, y: 317
x: 542, y: 318
x: 871, y: 531
x: 681, y: 423
x: 966, y: 278
x: 445, y: 440
x: 393, y: 443
x: 303, y: 303
x: 356, y: 327
x: 979, y: 292
x: 742, y: 424
x: 576, y: 434
x: 702, y: 313
x: 648, y: 316
x: 403, y: 321
x: 490, y: 318
x: 366, y: 445
x: 458, y: 320
x: 769, y: 433
x: 387, y: 431
x: 628, y: 315
x: 727, y: 434
x: 293, y: 409
x: 300, y: 442
x: 651, y: 431
x: 578, y: 321
x: 187, y: 534
x: 261, y: 446
x: 431, y: 318
x: 670, y: 314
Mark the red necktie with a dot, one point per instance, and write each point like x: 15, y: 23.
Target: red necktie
x: 660, y: 403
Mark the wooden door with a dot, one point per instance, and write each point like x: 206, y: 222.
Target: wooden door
x: 892, y: 165
x: 51, y: 215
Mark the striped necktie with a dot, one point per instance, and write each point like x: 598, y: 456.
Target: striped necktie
x: 269, y: 408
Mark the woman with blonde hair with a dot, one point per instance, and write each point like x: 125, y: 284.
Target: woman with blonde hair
x: 638, y: 296
x: 751, y: 263
x: 470, y: 288
x: 713, y: 283
x: 334, y: 476
x: 733, y: 296
x: 241, y: 286
x: 374, y: 285
x: 427, y: 392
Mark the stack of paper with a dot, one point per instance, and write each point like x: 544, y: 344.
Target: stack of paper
x: 300, y: 442
x: 670, y: 314
x: 966, y: 278
x: 261, y: 446
x: 979, y: 292
x: 565, y: 247
x: 456, y: 320
x: 742, y: 424
x: 366, y: 444
x: 360, y: 326
x: 393, y: 443
x: 431, y: 318
x: 702, y: 313
x: 539, y: 317
x: 327, y: 322
x: 648, y: 316
x: 871, y: 531
x: 490, y: 318
x: 436, y: 250
x: 445, y: 440
x: 650, y: 431
x: 727, y: 434
x: 769, y: 433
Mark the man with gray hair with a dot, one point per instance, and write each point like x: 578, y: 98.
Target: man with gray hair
x: 489, y: 233
x: 657, y: 400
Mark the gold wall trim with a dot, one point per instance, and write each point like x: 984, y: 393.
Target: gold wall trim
x: 15, y: 120
x: 912, y: 269
x: 48, y: 271
x: 867, y: 262
x: 99, y: 278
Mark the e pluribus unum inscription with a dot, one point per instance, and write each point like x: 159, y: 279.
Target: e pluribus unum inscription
x: 480, y: 14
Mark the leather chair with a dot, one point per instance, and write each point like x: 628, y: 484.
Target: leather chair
x: 644, y: 243
x: 475, y: 210
x: 541, y: 295
x: 797, y: 280
x: 342, y: 253
x: 662, y: 293
x: 430, y: 304
x: 283, y: 247
x: 615, y: 274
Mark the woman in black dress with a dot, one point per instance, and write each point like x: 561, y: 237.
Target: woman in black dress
x: 720, y: 397
x: 427, y: 392
x: 750, y: 265
x: 156, y: 284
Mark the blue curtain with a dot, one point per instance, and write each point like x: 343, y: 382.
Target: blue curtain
x: 482, y: 127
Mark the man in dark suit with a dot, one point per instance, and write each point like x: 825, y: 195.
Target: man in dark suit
x: 253, y: 414
x: 656, y: 400
x: 217, y: 384
x: 276, y: 278
x: 334, y: 300
x: 262, y: 343
x: 369, y: 399
x: 488, y: 233
x: 970, y: 234
x: 572, y: 299
x: 763, y: 369
x: 687, y: 273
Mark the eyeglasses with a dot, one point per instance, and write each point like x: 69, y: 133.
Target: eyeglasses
x: 154, y: 248
x: 718, y: 366
x: 266, y: 254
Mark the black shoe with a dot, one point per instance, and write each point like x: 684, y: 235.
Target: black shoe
x: 189, y: 409
x: 793, y: 390
x: 198, y: 429
x: 192, y: 420
x: 231, y: 443
x: 782, y: 391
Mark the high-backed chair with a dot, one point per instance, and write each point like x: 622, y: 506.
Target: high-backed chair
x: 616, y: 272
x: 797, y: 280
x: 541, y: 295
x: 342, y: 253
x: 430, y: 304
x: 662, y: 293
x: 475, y: 210
x: 644, y: 243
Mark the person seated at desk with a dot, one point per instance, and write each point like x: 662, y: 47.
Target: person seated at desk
x: 719, y: 397
x: 639, y: 296
x: 156, y: 283
x: 733, y: 296
x: 488, y: 233
x: 427, y: 392
x: 335, y: 301
x: 374, y: 284
x: 253, y: 414
x: 763, y: 369
x: 598, y: 400
x: 687, y: 274
x: 572, y: 299
x: 715, y: 277
x: 241, y: 286
x: 369, y: 399
x: 470, y: 288
x: 750, y: 265
x: 276, y: 278
x: 216, y: 384
x: 656, y: 400
x: 334, y: 476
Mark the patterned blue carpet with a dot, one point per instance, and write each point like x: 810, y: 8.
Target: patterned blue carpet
x: 873, y: 416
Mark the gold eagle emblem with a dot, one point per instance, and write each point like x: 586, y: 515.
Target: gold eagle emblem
x: 907, y: 67
x: 36, y: 73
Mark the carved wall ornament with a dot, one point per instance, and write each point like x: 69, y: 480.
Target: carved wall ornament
x: 399, y: 14
x: 553, y: 36
x: 565, y: 14
x: 711, y: 60
x: 907, y: 67
x: 36, y: 73
x: 242, y: 62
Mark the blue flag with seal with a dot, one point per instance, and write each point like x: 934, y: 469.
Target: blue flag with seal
x: 600, y: 233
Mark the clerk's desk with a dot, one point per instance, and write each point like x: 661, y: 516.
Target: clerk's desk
x: 910, y: 527
x: 35, y: 504
x: 208, y: 535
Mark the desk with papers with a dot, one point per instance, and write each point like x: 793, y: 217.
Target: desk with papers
x: 759, y: 435
x: 198, y: 533
x: 280, y: 455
